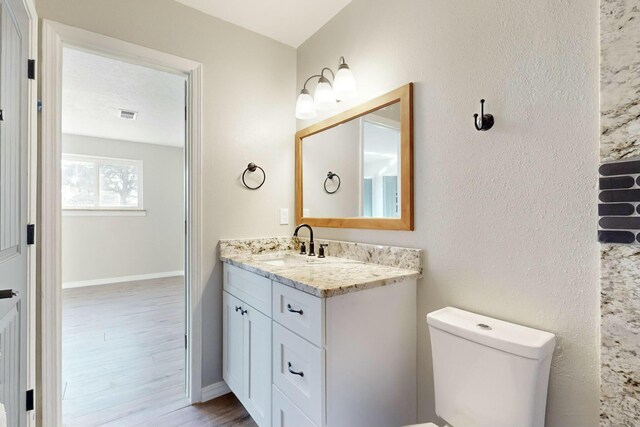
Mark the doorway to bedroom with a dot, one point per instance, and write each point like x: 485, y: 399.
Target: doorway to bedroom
x: 123, y: 240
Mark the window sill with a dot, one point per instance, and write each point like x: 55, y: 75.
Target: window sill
x: 104, y: 212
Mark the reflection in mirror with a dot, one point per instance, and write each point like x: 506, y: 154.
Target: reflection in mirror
x: 364, y: 153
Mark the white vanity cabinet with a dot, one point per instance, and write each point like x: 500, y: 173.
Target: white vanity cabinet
x: 342, y: 361
x: 246, y: 343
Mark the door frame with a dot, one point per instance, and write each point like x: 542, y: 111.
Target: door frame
x: 54, y: 37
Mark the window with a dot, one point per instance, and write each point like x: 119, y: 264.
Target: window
x: 101, y: 183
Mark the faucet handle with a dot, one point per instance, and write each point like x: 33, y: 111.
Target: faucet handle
x: 303, y: 248
x: 321, y: 250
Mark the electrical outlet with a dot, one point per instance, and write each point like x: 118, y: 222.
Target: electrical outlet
x: 284, y: 216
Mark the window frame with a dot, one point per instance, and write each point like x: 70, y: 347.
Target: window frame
x: 97, y: 162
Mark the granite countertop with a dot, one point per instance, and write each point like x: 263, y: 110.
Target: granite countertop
x: 322, y: 277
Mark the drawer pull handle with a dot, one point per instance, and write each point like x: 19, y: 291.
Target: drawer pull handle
x: 291, y: 310
x: 238, y: 309
x: 291, y: 371
x: 243, y: 312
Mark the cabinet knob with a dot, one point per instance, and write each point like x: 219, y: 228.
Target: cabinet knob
x: 291, y: 371
x: 238, y: 309
x: 243, y: 312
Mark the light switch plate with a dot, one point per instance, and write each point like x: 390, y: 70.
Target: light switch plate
x: 284, y: 216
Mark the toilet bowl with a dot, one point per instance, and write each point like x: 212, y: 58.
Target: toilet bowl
x: 483, y: 365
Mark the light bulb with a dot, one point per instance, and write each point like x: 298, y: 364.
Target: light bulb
x: 344, y: 84
x: 324, y: 97
x: 305, y: 108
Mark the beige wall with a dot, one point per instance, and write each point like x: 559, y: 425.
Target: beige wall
x: 507, y: 218
x: 103, y: 247
x: 249, y: 101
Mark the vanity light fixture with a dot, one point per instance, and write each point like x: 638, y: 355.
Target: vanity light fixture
x: 344, y: 85
x: 326, y: 95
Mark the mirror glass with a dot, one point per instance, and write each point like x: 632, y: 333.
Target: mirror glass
x: 353, y: 169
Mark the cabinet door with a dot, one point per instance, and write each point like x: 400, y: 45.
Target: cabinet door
x: 257, y: 363
x: 232, y: 343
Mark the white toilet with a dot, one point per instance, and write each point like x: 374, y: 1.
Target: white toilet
x: 487, y: 372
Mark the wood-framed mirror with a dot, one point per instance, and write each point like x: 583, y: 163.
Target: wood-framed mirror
x: 355, y: 170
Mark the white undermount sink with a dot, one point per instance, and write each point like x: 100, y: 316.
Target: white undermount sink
x: 287, y: 260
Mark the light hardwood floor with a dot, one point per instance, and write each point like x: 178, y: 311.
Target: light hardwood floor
x: 123, y: 359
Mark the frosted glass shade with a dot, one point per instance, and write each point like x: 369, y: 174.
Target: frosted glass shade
x: 305, y: 107
x: 344, y: 85
x: 324, y: 97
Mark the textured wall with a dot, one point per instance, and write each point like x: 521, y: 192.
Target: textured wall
x: 99, y: 247
x: 248, y: 112
x: 507, y: 218
x: 620, y: 265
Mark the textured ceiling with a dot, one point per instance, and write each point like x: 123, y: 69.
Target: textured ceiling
x: 95, y: 88
x: 288, y: 21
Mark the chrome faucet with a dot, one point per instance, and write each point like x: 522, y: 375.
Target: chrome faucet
x: 311, y: 244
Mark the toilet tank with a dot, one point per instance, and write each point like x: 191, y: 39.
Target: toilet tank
x: 487, y: 372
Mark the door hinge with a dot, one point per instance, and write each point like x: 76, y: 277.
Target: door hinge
x: 31, y: 234
x: 31, y: 69
x: 185, y: 340
x: 30, y: 400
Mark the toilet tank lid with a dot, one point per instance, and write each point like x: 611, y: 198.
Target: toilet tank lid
x: 498, y: 334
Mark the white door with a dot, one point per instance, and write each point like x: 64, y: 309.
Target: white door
x: 14, y: 27
x: 232, y: 343
x: 257, y: 363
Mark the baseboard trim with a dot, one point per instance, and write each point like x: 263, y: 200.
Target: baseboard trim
x: 121, y: 279
x: 214, y: 390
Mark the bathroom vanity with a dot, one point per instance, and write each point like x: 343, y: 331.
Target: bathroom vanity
x: 313, y: 342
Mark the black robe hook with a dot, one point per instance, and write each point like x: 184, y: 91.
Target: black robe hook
x: 486, y: 120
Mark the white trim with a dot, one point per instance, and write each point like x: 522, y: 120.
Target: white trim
x: 121, y: 279
x: 215, y: 390
x: 193, y: 270
x: 54, y: 36
x: 50, y: 259
x: 103, y: 212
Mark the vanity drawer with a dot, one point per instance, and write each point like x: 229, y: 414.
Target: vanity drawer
x: 249, y: 287
x: 286, y: 414
x: 300, y: 312
x: 298, y: 371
